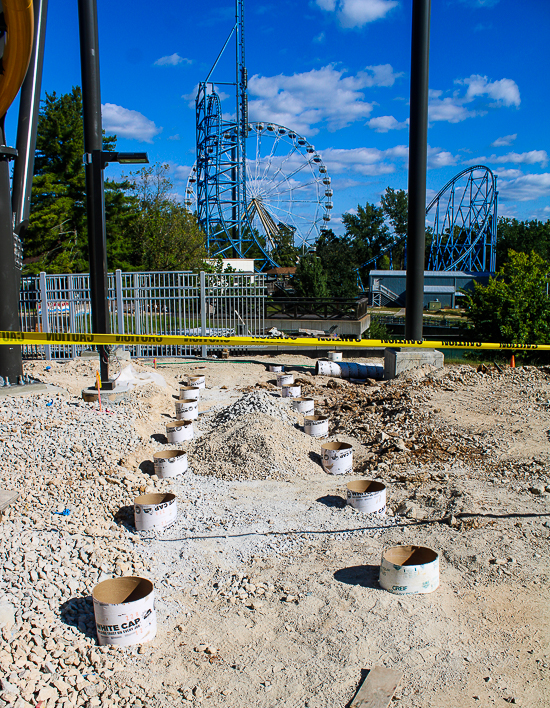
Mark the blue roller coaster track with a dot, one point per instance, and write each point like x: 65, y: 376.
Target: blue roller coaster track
x: 462, y: 222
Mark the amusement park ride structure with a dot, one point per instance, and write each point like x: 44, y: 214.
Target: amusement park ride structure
x: 245, y: 201
x: 462, y: 223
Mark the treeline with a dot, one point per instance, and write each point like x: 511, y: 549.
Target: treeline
x: 147, y: 227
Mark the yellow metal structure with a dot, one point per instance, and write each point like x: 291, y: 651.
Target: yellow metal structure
x: 19, y: 18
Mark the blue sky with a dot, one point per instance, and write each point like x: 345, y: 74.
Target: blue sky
x: 336, y: 72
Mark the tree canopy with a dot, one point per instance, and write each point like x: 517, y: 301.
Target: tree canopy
x: 524, y: 237
x: 514, y: 306
x: 163, y: 234
x: 56, y: 239
x: 146, y: 226
x: 310, y: 279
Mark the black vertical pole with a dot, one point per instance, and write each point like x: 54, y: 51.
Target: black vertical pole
x: 93, y: 144
x: 11, y: 365
x: 29, y: 106
x: 418, y: 154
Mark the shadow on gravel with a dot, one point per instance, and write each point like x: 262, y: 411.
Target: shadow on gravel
x: 313, y: 456
x: 78, y: 612
x: 160, y: 438
x: 125, y: 515
x: 332, y: 501
x: 147, y: 467
x: 364, y: 575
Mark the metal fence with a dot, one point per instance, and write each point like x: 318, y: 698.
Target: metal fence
x: 177, y: 303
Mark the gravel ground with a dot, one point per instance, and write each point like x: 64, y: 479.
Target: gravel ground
x: 266, y: 586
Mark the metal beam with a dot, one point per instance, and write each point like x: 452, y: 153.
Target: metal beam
x: 95, y: 207
x: 418, y: 153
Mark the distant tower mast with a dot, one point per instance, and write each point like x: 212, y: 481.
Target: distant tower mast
x: 221, y: 161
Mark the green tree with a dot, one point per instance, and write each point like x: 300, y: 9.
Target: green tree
x: 310, y: 279
x: 56, y: 240
x: 368, y: 234
x: 514, y: 306
x: 164, y: 235
x: 339, y: 263
x: 522, y: 236
x: 285, y: 253
x: 395, y: 205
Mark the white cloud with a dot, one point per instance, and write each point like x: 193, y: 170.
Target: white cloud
x: 440, y: 158
x: 180, y: 172
x: 174, y: 137
x: 522, y: 158
x: 449, y: 109
x: 356, y: 13
x: 518, y: 158
x: 526, y: 187
x: 372, y: 161
x: 364, y: 161
x: 190, y: 97
x: 382, y: 124
x: 458, y: 107
x: 509, y: 174
x: 319, y: 38
x: 172, y: 60
x: 504, y: 140
x: 505, y: 91
x: 126, y: 123
x: 323, y: 95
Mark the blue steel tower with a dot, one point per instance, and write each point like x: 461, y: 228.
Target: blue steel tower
x: 221, y: 161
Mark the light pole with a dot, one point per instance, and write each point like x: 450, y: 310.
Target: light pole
x: 418, y: 152
x: 95, y: 160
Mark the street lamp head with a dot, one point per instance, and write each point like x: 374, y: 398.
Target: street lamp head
x: 104, y: 157
x: 131, y: 158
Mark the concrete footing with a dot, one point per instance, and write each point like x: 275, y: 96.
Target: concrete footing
x: 115, y: 395
x: 402, y: 359
x: 31, y: 389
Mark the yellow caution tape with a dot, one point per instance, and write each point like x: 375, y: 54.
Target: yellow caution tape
x: 41, y: 338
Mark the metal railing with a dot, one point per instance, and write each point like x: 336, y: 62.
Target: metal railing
x: 316, y: 308
x: 162, y: 303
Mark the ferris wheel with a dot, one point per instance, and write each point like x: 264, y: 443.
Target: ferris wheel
x: 288, y: 188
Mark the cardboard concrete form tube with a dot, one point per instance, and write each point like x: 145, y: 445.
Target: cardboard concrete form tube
x: 179, y: 430
x: 187, y: 409
x: 303, y: 405
x: 124, y: 610
x: 276, y: 368
x: 285, y: 380
x: 187, y: 392
x: 335, y: 356
x: 367, y: 495
x: 199, y: 381
x: 409, y: 570
x: 337, y: 457
x: 155, y: 511
x: 291, y: 391
x: 316, y: 425
x: 170, y: 463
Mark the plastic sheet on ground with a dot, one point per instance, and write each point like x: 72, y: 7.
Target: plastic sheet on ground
x: 130, y: 377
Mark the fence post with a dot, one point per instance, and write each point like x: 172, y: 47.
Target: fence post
x: 72, y: 319
x: 44, y: 324
x: 119, y: 302
x: 137, y: 311
x: 203, y: 310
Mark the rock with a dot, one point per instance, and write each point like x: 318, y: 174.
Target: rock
x: 537, y: 490
x: 7, y: 613
x: 399, y: 444
x: 198, y: 692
